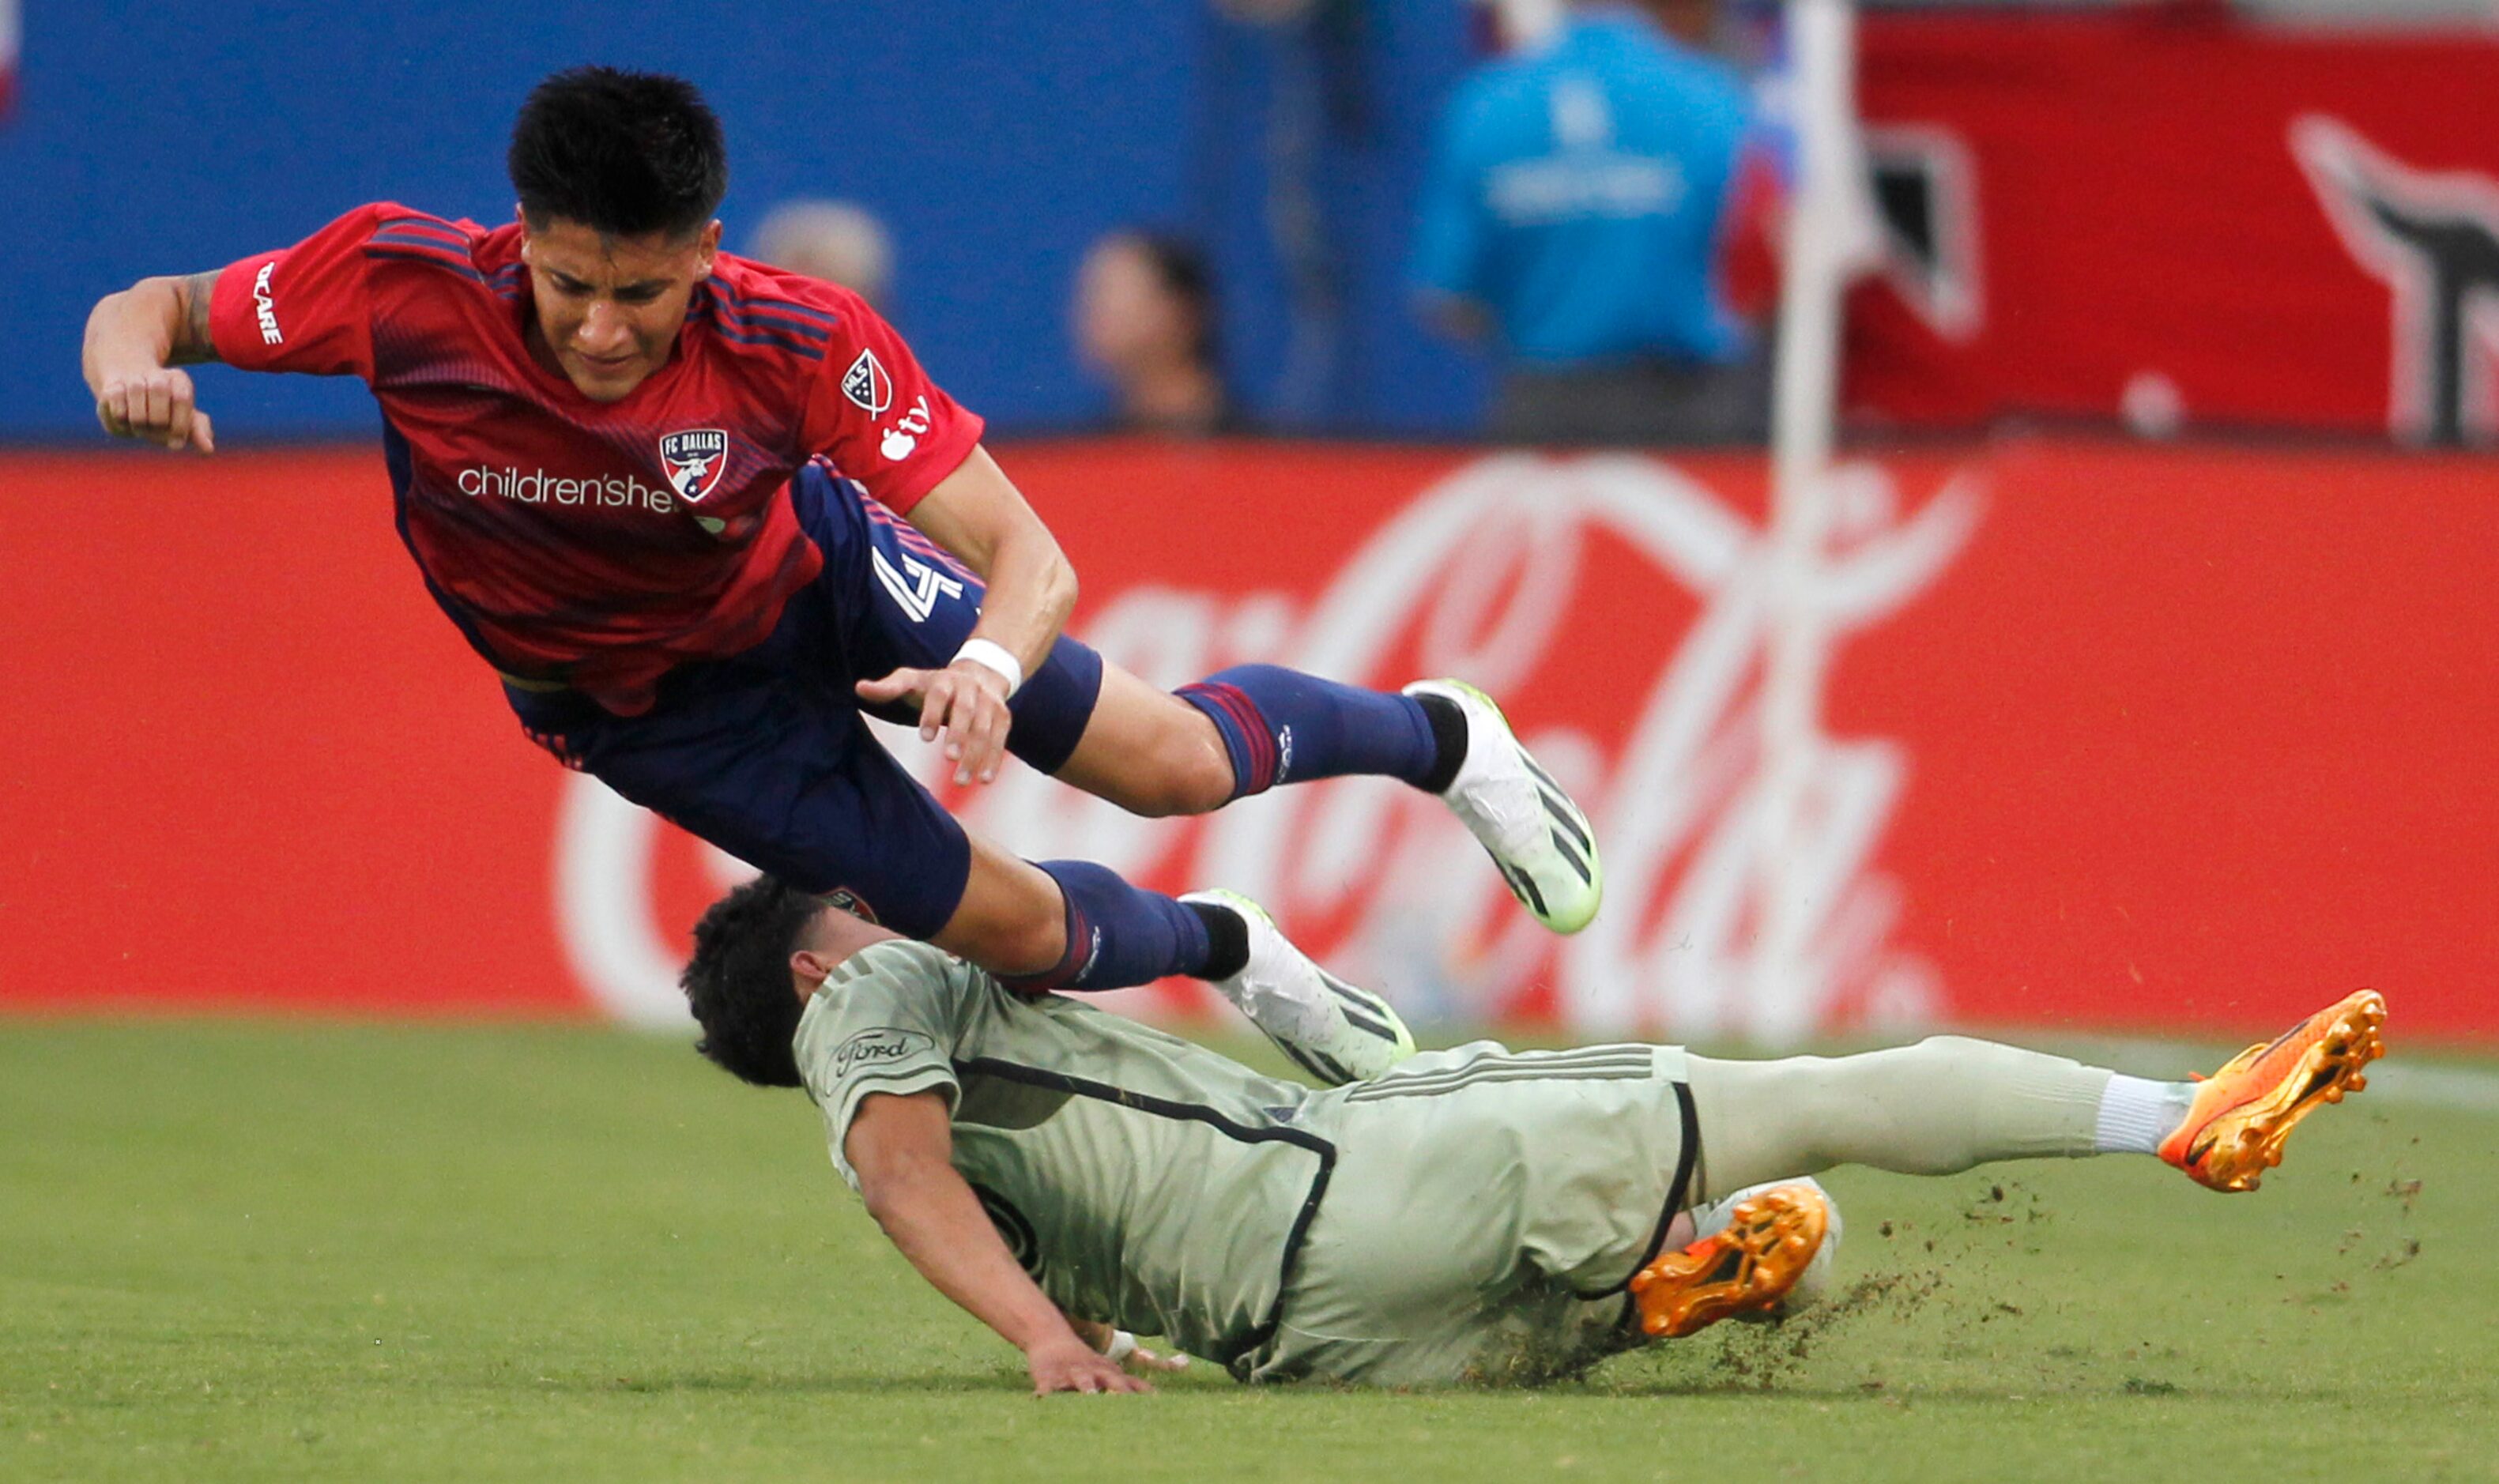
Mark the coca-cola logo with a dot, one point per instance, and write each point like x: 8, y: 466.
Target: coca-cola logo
x: 1622, y: 610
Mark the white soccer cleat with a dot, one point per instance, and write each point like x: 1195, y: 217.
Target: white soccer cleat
x: 1814, y: 1285
x: 1538, y: 837
x: 1327, y: 1027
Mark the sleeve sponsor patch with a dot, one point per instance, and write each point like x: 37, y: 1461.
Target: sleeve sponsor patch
x: 885, y: 1046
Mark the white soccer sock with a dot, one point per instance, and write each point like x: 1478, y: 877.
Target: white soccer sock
x: 2137, y: 1114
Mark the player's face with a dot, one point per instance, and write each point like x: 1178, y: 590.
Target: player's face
x: 1125, y: 318
x: 609, y: 307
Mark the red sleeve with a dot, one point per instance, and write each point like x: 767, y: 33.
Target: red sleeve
x: 302, y: 308
x: 876, y: 414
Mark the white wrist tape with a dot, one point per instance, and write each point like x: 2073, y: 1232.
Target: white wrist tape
x: 994, y: 658
x: 1123, y: 1346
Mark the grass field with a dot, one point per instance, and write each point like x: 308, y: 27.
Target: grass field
x: 254, y: 1252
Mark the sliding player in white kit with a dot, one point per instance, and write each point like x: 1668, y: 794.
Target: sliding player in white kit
x: 1475, y: 1213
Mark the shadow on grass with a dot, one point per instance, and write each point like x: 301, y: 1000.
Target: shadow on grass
x: 747, y: 1382
x: 2145, y: 1391
x: 2133, y: 1389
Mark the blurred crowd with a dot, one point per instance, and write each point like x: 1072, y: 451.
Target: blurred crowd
x: 1598, y: 226
x: 1598, y: 191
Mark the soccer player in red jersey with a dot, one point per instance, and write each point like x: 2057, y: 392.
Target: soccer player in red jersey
x: 699, y: 513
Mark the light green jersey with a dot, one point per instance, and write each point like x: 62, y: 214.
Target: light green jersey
x: 1142, y: 1181
x: 1483, y: 1209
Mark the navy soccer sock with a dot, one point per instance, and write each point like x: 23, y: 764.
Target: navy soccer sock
x: 1280, y: 725
x: 1120, y: 935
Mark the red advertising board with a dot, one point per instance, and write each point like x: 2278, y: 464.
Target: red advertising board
x: 2167, y: 216
x: 2115, y: 737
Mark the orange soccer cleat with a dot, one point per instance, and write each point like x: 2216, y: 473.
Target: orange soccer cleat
x: 2234, y: 1130
x: 1749, y: 1265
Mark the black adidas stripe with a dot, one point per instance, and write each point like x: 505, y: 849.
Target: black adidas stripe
x: 1523, y: 888
x: 1568, y: 816
x: 1618, y: 1050
x: 1541, y: 776
x: 1369, y: 1005
x: 1293, y: 1052
x: 1316, y: 1063
x: 1366, y: 1024
x: 1575, y: 863
x: 1372, y: 1093
x: 1597, y: 1052
x: 1637, y: 1062
x: 1585, y: 1056
x: 1537, y: 1063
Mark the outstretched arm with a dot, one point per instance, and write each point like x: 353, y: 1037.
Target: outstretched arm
x: 977, y: 513
x: 901, y: 1146
x: 134, y: 342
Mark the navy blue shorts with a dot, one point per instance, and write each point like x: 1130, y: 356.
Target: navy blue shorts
x: 764, y: 754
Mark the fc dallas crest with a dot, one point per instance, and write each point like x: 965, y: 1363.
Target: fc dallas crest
x: 695, y: 460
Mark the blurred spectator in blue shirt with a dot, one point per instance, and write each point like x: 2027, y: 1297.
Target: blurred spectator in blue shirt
x: 1582, y: 199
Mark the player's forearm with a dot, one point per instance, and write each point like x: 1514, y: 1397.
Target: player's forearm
x: 1032, y: 591
x: 931, y: 1216
x: 130, y: 332
x: 153, y: 324
x: 977, y: 513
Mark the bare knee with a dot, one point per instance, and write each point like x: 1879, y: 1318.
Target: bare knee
x: 1150, y: 751
x: 1179, y: 767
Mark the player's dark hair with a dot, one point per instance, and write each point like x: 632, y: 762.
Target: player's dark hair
x: 738, y: 980
x: 623, y: 154
x: 1187, y: 274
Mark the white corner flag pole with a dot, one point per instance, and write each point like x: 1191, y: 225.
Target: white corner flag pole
x: 1827, y: 233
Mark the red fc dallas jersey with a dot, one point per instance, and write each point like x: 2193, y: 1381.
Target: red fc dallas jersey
x: 595, y: 543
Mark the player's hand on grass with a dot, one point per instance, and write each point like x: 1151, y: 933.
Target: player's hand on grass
x: 158, y: 406
x: 967, y: 701
x: 1066, y: 1363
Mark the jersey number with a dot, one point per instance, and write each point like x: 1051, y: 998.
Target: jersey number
x: 917, y: 592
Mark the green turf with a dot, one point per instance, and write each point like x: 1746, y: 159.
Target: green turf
x: 238, y: 1252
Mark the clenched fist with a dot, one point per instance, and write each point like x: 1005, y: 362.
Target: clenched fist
x: 156, y: 406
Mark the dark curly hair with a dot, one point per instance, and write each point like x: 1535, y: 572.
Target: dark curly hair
x: 738, y: 980
x: 623, y: 154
